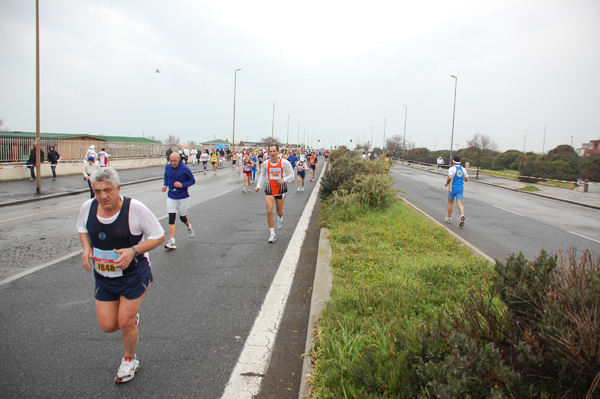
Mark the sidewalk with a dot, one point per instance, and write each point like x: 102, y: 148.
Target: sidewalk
x: 22, y: 191
x: 590, y: 199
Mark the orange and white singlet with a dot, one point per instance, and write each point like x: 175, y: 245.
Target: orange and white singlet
x: 274, y: 173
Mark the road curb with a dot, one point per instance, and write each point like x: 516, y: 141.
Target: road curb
x: 320, y: 296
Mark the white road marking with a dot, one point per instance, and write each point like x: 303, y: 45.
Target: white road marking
x: 32, y: 215
x: 507, y: 210
x: 70, y: 255
x: 253, y: 362
x: 582, y: 236
x: 39, y: 267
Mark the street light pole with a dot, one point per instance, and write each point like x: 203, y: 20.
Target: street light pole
x: 544, y: 142
x: 453, y: 114
x: 287, y: 142
x: 404, y: 140
x: 384, y: 123
x: 38, y: 161
x: 234, y: 89
x: 273, y: 123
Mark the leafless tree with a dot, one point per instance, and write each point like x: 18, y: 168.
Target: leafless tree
x: 480, y: 143
x: 394, y: 144
x: 172, y: 140
x: 266, y: 141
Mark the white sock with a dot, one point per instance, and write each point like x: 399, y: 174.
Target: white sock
x: 280, y: 218
x: 272, y: 230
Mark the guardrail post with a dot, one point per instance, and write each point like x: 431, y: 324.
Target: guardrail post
x: 585, y: 185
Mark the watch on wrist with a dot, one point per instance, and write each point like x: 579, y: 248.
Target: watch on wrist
x: 135, y: 252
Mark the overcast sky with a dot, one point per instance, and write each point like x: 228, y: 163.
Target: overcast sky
x: 337, y: 68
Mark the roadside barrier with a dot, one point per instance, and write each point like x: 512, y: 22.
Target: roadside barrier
x: 79, y: 164
x: 578, y: 183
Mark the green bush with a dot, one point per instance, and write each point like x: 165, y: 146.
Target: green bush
x: 592, y: 171
x: 507, y: 160
x: 361, y: 194
x: 344, y: 166
x: 561, y: 163
x: 533, y: 333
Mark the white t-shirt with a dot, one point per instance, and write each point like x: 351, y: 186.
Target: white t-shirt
x: 204, y: 157
x: 141, y: 220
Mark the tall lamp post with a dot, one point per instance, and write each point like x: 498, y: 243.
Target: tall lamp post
x: 38, y: 161
x: 384, y: 123
x: 453, y: 114
x: 273, y: 123
x: 234, y: 87
x: 287, y: 142
x: 404, y: 140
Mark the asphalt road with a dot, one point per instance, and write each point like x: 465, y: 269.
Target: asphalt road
x: 500, y: 222
x: 195, y: 318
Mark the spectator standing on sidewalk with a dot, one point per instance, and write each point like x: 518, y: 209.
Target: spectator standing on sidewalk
x: 33, y: 160
x: 91, y: 152
x: 53, y: 158
x: 89, y: 169
x: 440, y: 162
x: 178, y: 177
x: 102, y: 158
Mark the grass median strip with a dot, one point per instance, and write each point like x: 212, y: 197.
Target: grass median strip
x: 393, y: 270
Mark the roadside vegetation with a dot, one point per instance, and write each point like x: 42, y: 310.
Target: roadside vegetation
x: 561, y: 163
x: 415, y: 314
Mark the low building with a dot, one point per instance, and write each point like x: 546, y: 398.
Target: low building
x: 592, y: 150
x: 15, y: 146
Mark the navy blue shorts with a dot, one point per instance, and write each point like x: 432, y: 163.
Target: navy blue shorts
x: 301, y: 174
x: 131, y: 285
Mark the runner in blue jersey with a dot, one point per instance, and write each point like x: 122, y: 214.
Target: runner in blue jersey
x: 457, y: 176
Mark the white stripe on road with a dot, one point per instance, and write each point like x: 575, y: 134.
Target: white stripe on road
x: 40, y: 267
x: 72, y: 254
x: 582, y: 236
x: 507, y: 210
x: 247, y: 375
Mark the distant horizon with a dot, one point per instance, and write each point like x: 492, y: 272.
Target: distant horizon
x: 251, y: 141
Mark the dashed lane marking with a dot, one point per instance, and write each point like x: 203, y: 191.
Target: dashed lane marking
x: 582, y: 236
x: 507, y: 210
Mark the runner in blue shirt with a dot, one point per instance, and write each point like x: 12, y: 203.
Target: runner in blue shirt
x: 457, y: 176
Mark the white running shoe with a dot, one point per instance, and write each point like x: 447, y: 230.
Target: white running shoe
x: 298, y: 189
x: 302, y: 189
x: 171, y: 244
x: 191, y: 231
x: 272, y: 238
x: 127, y: 369
x: 448, y: 220
x: 462, y: 221
x: 279, y: 224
